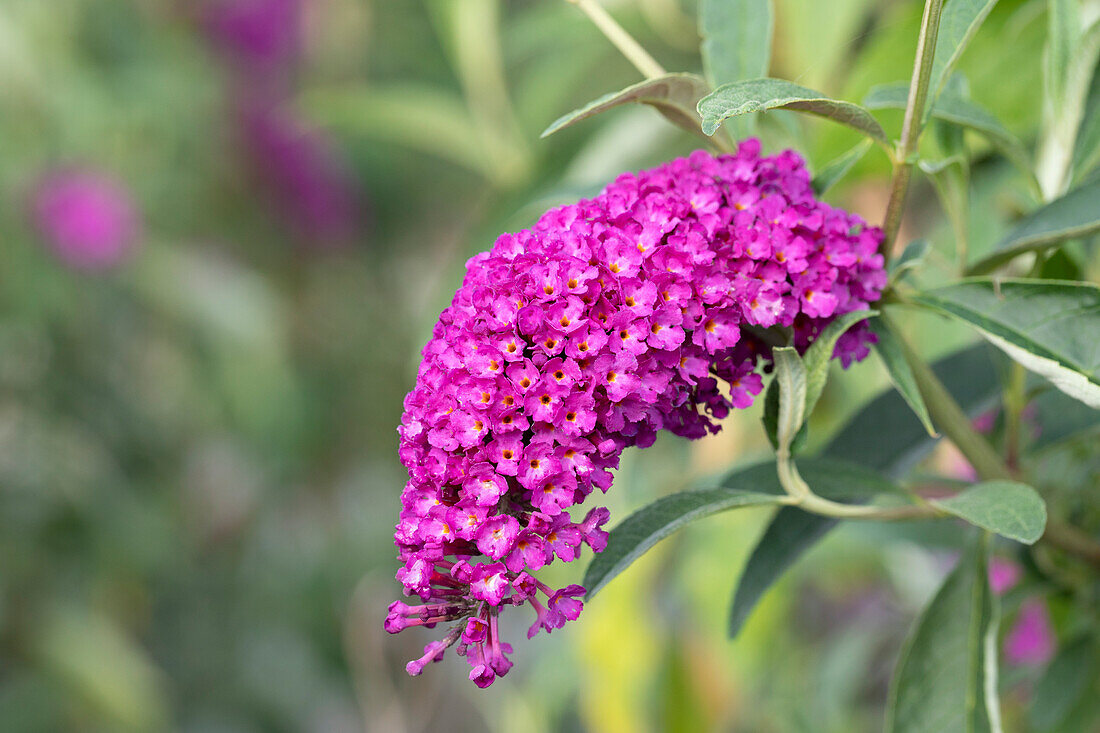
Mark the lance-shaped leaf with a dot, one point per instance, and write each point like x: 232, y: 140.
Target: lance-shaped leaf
x: 889, y: 350
x: 946, y: 678
x: 1076, y: 214
x: 737, y: 39
x: 1063, y: 28
x: 958, y: 24
x: 737, y: 43
x: 957, y: 110
x: 1071, y: 87
x: 674, y: 95
x: 754, y: 485
x: 1009, y: 508
x: 1086, y: 149
x: 759, y: 95
x: 1048, y: 326
x: 837, y: 168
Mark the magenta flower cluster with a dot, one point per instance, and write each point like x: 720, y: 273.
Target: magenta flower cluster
x: 609, y: 320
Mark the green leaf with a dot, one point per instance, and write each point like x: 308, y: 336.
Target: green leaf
x: 837, y: 168
x: 957, y: 110
x: 793, y: 531
x: 947, y: 674
x: 1009, y: 508
x: 1080, y: 74
x: 889, y: 350
x: 883, y: 436
x: 949, y: 137
x: 1067, y: 93
x: 759, y: 95
x: 1074, y: 215
x: 791, y: 378
x: 1048, y: 326
x: 911, y: 258
x: 958, y: 24
x: 674, y: 95
x: 1063, y: 27
x: 817, y: 357
x: 1063, y: 683
x: 1086, y: 149
x: 648, y: 526
x: 737, y: 43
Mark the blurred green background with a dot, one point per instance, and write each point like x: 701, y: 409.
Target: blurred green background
x: 198, y: 469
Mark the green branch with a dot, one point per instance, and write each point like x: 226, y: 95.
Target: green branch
x: 911, y: 125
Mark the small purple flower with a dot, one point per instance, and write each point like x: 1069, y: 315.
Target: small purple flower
x: 88, y: 219
x: 606, y: 322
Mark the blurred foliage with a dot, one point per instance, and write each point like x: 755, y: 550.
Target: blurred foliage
x: 198, y: 470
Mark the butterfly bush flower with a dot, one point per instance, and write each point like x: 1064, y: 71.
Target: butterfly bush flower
x: 609, y: 320
x: 87, y: 218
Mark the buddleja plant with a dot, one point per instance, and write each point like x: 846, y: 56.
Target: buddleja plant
x: 677, y: 293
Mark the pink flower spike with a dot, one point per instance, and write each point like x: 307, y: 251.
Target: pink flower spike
x: 604, y: 323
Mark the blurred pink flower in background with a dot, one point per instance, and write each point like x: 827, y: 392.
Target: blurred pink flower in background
x: 87, y: 218
x: 259, y: 35
x: 1031, y: 640
x: 1003, y: 575
x: 310, y: 185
